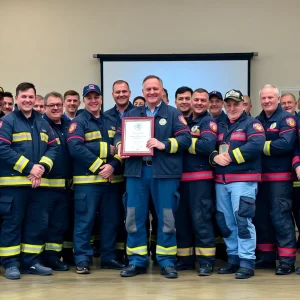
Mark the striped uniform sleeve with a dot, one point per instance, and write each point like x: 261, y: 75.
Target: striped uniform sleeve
x: 286, y: 141
x: 79, y: 152
x: 253, y: 145
x: 15, y: 160
x: 181, y: 138
x: 206, y: 140
x: 47, y: 160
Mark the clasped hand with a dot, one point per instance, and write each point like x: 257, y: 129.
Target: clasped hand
x: 36, y: 174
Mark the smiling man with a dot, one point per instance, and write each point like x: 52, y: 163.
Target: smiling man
x: 274, y: 222
x: 183, y: 96
x: 194, y: 215
x: 289, y: 103
x: 8, y: 103
x: 96, y: 189
x: 27, y: 151
x: 71, y: 104
x: 158, y: 176
x: 216, y: 106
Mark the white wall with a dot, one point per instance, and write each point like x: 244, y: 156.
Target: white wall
x: 51, y: 43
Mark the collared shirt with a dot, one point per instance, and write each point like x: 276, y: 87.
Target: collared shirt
x: 149, y: 113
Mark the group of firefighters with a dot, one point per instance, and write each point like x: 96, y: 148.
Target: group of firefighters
x: 63, y: 178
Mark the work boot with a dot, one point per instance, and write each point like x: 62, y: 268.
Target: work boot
x: 133, y: 270
x: 244, y: 273
x: 284, y: 269
x: 169, y: 272
x: 228, y: 269
x: 57, y: 265
x: 205, y: 270
x: 12, y: 273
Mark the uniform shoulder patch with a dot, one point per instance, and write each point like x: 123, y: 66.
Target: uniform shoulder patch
x: 182, y: 120
x: 72, y: 127
x: 213, y: 126
x: 258, y: 127
x: 1, y: 123
x: 291, y: 122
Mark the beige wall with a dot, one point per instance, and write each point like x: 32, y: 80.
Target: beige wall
x: 51, y: 43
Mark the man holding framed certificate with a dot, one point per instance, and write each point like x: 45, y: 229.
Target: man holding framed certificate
x: 152, y: 138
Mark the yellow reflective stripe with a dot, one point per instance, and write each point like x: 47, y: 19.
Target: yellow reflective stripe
x: 192, y: 148
x: 95, y: 179
x: 53, y: 247
x: 185, y: 251
x: 48, y: 161
x: 267, y: 148
x: 94, y: 135
x: 238, y: 155
x: 96, y: 165
x: 21, y: 136
x: 68, y: 245
x: 117, y: 145
x: 57, y: 182
x: 118, y: 158
x: 166, y: 250
x: 34, y: 249
x: 296, y: 184
x: 103, y: 150
x: 20, y: 180
x: 21, y: 164
x: 58, y: 141
x: 10, y: 251
x: 120, y: 246
x: 44, y: 137
x: 142, y: 250
x: 174, y: 145
x: 205, y: 251
x: 111, y: 134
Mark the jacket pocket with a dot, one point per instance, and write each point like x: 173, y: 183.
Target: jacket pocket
x: 246, y: 207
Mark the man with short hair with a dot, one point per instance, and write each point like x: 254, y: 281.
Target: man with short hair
x: 247, y: 105
x: 194, y: 215
x: 27, y: 151
x: 165, y: 96
x: 8, y: 103
x: 158, y: 176
x: 238, y: 170
x: 273, y: 220
x: 59, y: 184
x: 95, y: 179
x: 39, y: 105
x: 183, y: 96
x: 71, y: 104
x: 289, y: 103
x: 216, y: 106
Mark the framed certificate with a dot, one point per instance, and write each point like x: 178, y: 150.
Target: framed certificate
x: 135, y: 134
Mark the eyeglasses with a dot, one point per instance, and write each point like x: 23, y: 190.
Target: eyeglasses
x: 59, y: 105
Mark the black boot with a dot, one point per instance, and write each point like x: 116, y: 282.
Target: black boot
x: 228, y: 269
x: 284, y: 269
x: 244, y: 273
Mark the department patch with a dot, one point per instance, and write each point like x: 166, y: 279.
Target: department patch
x: 1, y: 123
x: 182, y: 120
x: 273, y: 125
x: 162, y: 122
x: 258, y: 127
x: 72, y: 127
x: 213, y: 126
x: 291, y: 122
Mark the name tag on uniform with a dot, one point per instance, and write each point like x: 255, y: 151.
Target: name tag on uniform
x: 223, y: 148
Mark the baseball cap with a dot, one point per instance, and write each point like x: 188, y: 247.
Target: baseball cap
x: 235, y: 95
x: 215, y: 94
x: 91, y: 88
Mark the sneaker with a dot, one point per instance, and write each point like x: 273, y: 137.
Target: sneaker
x: 12, y: 273
x: 83, y: 268
x: 38, y: 269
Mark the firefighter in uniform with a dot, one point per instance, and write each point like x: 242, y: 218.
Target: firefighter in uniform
x: 194, y: 215
x: 94, y: 183
x: 238, y: 169
x: 121, y: 94
x: 27, y: 151
x: 59, y: 185
x: 273, y: 220
x: 158, y: 176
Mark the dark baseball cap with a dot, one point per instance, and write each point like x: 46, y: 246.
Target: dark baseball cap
x: 215, y: 94
x: 91, y: 88
x: 235, y: 95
